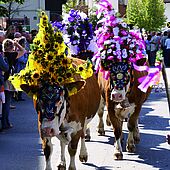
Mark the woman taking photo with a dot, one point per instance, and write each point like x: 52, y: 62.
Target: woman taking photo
x: 11, y: 51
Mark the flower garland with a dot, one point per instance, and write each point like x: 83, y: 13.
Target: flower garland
x: 78, y: 34
x: 119, y: 49
x: 115, y: 42
x: 48, y: 62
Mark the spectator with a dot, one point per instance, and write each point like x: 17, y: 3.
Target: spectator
x: 20, y: 64
x: 17, y: 35
x: 158, y: 44
x: 34, y: 33
x: 153, y: 49
x: 164, y: 37
x: 10, y: 54
x: 167, y: 53
x: 148, y: 48
x: 3, y: 68
x: 10, y: 32
x: 2, y: 37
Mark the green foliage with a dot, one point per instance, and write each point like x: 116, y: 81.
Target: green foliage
x: 147, y: 14
x: 70, y: 4
x: 17, y: 1
x: 4, y: 10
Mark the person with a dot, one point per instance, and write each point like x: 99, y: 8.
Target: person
x: 148, y: 48
x: 10, y: 32
x: 164, y: 37
x: 3, y: 68
x: 153, y: 49
x: 10, y: 54
x: 167, y: 54
x: 2, y: 37
x: 20, y: 64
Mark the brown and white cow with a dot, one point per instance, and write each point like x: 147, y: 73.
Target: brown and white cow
x: 66, y: 117
x: 119, y: 105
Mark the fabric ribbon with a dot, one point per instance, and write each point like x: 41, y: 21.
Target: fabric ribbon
x: 152, y: 78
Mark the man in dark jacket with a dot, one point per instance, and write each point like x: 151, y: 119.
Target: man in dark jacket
x: 3, y: 68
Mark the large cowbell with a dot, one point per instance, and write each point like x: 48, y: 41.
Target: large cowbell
x: 120, y: 75
x: 48, y: 97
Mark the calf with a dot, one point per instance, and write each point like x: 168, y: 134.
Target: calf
x: 66, y: 117
x: 119, y: 105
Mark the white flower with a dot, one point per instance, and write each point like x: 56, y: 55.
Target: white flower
x: 116, y: 31
x: 109, y: 51
x: 124, y: 53
x: 103, y: 56
x: 117, y: 45
x: 124, y: 24
x: 107, y: 42
x: 83, y: 16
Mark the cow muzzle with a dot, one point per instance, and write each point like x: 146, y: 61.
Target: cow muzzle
x: 117, y: 95
x: 47, y: 132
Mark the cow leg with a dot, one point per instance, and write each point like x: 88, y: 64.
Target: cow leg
x: 83, y: 151
x: 100, y: 126
x: 72, y: 149
x: 62, y: 164
x: 117, y: 126
x: 47, y: 148
x: 136, y: 134
x: 133, y: 136
x: 87, y: 136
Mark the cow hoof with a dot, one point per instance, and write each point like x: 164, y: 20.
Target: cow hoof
x: 61, y: 167
x: 101, y: 132
x: 136, y: 140
x: 130, y: 148
x: 83, y: 158
x: 118, y: 156
x: 87, y: 138
x: 48, y: 168
x: 108, y: 123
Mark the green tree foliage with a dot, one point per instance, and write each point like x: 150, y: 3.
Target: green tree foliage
x: 4, y: 11
x: 70, y: 4
x: 147, y: 14
x: 18, y: 1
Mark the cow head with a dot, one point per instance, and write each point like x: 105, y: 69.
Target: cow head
x: 51, y: 105
x: 119, y: 79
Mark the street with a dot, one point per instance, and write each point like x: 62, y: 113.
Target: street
x: 20, y: 147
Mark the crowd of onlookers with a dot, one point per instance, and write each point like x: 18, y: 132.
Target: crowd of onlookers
x: 14, y: 51
x: 155, y: 42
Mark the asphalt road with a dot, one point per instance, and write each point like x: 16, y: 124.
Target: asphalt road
x: 20, y: 147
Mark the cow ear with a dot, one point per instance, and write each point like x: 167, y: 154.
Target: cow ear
x: 75, y: 87
x: 29, y: 89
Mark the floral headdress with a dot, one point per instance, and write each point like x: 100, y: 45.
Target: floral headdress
x: 119, y: 48
x: 48, y: 62
x: 78, y: 34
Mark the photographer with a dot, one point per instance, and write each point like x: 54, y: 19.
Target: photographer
x: 12, y: 50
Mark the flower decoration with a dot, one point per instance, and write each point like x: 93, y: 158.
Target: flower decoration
x: 48, y: 62
x: 118, y: 46
x: 78, y: 34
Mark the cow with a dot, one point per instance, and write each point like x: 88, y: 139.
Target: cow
x: 65, y: 117
x: 119, y: 105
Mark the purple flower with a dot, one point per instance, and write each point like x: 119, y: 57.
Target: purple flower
x: 70, y: 19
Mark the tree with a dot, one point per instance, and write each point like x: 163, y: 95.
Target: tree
x: 70, y: 4
x: 147, y: 14
x: 9, y: 8
x: 4, y: 10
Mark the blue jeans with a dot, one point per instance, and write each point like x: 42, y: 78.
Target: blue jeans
x: 6, y: 109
